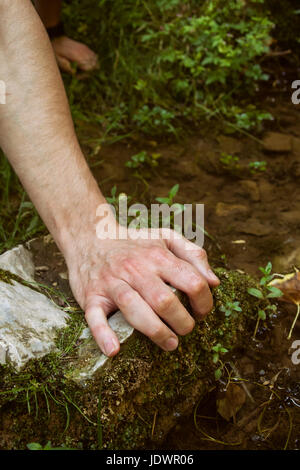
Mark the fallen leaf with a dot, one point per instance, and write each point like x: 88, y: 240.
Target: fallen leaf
x: 289, y: 285
x: 231, y: 402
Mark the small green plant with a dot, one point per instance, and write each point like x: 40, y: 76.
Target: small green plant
x: 143, y: 159
x: 177, y: 208
x: 114, y: 198
x: 169, y: 199
x: 154, y: 121
x: 218, y: 350
x: 230, y: 162
x: 257, y: 167
x: 48, y: 446
x: 265, y: 293
x: 167, y: 64
x: 231, y: 309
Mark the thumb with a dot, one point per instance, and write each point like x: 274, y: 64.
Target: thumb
x: 105, y: 337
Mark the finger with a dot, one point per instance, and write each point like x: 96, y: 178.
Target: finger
x: 185, y: 277
x: 141, y: 316
x: 190, y: 252
x: 89, y: 64
x: 64, y: 64
x: 105, y: 337
x: 164, y: 303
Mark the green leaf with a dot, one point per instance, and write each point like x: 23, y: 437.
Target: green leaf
x: 255, y: 292
x: 215, y: 358
x: 274, y: 292
x: 218, y: 374
x: 262, y: 315
x: 174, y: 190
x: 34, y: 446
x: 268, y: 268
x: 163, y: 200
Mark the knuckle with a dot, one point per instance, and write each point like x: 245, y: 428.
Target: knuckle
x: 201, y: 254
x: 129, y: 264
x: 157, y: 333
x: 157, y: 253
x: 196, y: 286
x: 187, y: 327
x: 124, y: 296
x: 164, y: 301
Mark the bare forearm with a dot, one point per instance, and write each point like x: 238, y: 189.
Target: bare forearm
x: 37, y: 135
x: 36, y: 129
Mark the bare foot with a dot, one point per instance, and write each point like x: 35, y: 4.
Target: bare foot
x: 67, y: 51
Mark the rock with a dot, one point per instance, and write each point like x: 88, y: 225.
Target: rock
x: 230, y: 145
x: 87, y: 394
x: 225, y: 210
x: 18, y: 261
x: 64, y: 275
x: 28, y: 319
x: 231, y: 401
x: 251, y: 188
x: 290, y: 217
x: 296, y: 145
x: 89, y: 350
x: 267, y: 191
x: 276, y: 142
x: 254, y: 227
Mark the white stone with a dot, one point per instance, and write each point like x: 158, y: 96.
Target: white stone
x: 28, y: 320
x: 28, y: 324
x: 89, y: 350
x: 18, y: 261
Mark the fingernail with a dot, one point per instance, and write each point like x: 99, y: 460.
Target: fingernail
x: 110, y: 347
x: 171, y: 344
x: 212, y: 275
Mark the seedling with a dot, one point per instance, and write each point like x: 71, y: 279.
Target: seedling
x: 230, y: 162
x: 48, y: 446
x: 257, y: 167
x: 114, y: 199
x: 178, y: 208
x: 231, y: 309
x: 169, y: 199
x: 218, y: 350
x: 264, y: 294
x: 143, y: 159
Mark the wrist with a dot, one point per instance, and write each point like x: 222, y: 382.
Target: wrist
x: 88, y: 227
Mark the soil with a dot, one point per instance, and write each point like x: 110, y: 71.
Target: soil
x: 251, y: 218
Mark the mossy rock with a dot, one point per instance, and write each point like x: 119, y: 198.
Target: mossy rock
x: 136, y: 398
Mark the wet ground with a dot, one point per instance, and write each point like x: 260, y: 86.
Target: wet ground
x: 252, y: 217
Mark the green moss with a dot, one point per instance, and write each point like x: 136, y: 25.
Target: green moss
x: 142, y: 390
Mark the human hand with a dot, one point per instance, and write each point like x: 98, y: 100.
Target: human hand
x: 131, y: 275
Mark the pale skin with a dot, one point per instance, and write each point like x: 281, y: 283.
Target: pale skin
x: 37, y: 136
